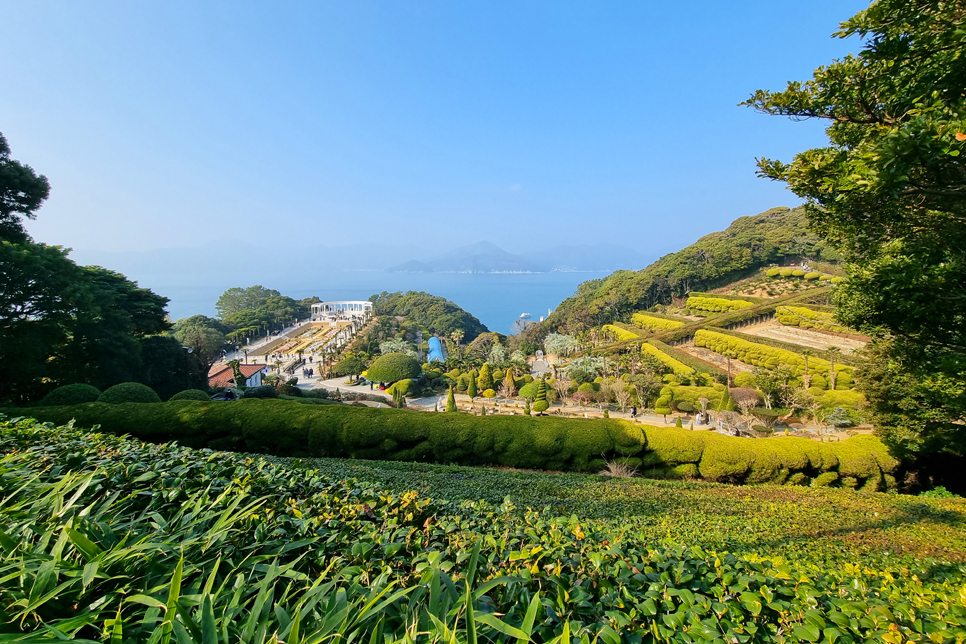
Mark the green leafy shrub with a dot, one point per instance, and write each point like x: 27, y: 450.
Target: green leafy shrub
x: 489, y: 393
x: 761, y: 355
x: 675, y: 365
x: 529, y: 391
x: 814, y: 275
x: 392, y: 367
x: 76, y: 394
x: 798, y: 273
x: 653, y: 323
x: 806, y: 318
x: 786, y: 272
x: 684, y: 406
x: 618, y: 333
x: 773, y: 272
x: 716, y: 304
x: 262, y: 391
x: 825, y: 479
x: 402, y: 387
x: 128, y: 392
x: 191, y: 394
x: 745, y: 379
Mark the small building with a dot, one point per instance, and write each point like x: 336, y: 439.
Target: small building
x: 222, y: 375
x: 345, y: 310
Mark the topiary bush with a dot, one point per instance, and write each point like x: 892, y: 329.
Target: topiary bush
x: 798, y: 273
x: 393, y: 367
x: 716, y: 304
x: 191, y: 394
x: 76, y: 394
x: 814, y: 275
x: 786, y: 272
x: 745, y: 379
x: 129, y: 392
x: 772, y: 272
x: 262, y: 391
x: 401, y: 386
x: 489, y: 393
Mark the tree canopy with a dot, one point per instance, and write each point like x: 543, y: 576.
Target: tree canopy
x: 242, y: 299
x: 890, y: 192
x: 22, y: 192
x: 436, y: 314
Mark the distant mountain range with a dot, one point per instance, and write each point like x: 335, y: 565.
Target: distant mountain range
x: 487, y: 257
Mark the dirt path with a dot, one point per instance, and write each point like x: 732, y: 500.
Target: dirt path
x: 802, y: 337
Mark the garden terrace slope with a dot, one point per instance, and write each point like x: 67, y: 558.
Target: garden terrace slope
x: 288, y: 429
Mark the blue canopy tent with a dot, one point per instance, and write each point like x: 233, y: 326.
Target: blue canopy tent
x: 436, y: 353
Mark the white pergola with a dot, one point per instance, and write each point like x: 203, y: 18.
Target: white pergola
x: 342, y: 310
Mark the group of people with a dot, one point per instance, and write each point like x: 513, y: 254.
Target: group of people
x: 308, y: 372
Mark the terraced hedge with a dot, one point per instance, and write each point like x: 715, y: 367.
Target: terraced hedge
x: 716, y: 304
x: 761, y: 355
x: 808, y: 319
x: 619, y: 333
x: 652, y: 323
x: 288, y: 429
x: 675, y: 365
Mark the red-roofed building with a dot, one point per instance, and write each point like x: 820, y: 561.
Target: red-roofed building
x: 221, y: 375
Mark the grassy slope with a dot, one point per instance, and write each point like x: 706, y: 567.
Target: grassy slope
x: 767, y: 520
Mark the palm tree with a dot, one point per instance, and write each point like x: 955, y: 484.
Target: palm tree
x: 832, y: 352
x: 806, y: 377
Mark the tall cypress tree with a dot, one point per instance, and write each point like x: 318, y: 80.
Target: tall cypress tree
x: 451, y: 400
x: 471, y: 390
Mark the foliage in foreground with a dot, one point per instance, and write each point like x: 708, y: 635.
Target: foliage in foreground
x: 109, y: 539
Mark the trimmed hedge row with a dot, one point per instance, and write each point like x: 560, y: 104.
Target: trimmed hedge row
x: 716, y: 304
x: 698, y: 365
x: 675, y: 365
x: 808, y: 319
x: 289, y: 429
x: 761, y: 355
x: 619, y: 333
x: 651, y: 323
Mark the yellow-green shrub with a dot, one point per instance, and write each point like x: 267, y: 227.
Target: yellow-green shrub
x: 651, y: 323
x: 716, y: 304
x: 619, y: 333
x: 808, y: 319
x: 675, y: 365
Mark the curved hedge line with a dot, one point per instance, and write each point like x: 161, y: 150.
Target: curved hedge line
x: 808, y: 319
x: 651, y: 323
x: 761, y: 355
x: 716, y: 304
x: 619, y: 333
x: 675, y: 365
x: 290, y: 429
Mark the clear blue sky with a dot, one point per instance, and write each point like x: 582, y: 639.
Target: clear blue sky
x: 176, y: 124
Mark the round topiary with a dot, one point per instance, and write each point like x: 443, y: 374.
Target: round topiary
x: 489, y: 393
x: 684, y: 406
x: 529, y: 390
x: 191, y: 394
x: 393, y: 367
x: 813, y: 275
x: 129, y: 392
x: 772, y: 272
x: 786, y: 272
x: 798, y: 273
x: 77, y: 394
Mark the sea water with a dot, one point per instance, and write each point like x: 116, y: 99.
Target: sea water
x: 497, y: 299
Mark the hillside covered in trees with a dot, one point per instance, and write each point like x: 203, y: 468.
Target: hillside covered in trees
x: 779, y: 235
x: 437, y: 314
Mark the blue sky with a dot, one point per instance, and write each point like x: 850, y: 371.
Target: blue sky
x: 181, y: 124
